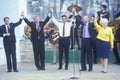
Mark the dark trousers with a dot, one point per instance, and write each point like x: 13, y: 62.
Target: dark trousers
x: 10, y: 51
x: 39, y: 53
x: 86, y: 53
x: 94, y: 52
x: 64, y: 43
x: 117, y: 57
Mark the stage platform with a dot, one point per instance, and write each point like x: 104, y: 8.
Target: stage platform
x: 27, y: 71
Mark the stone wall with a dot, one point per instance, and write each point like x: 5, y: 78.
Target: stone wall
x: 26, y: 51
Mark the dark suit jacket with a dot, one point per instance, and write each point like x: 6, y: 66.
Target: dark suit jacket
x: 117, y: 35
x: 93, y: 32
x: 35, y: 34
x: 12, y: 31
x: 105, y: 14
x: 90, y: 28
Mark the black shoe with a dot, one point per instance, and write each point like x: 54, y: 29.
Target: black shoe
x: 118, y: 63
x: 83, y: 69
x: 66, y: 68
x: 78, y: 48
x: 89, y: 70
x: 38, y: 69
x: 15, y: 70
x: 59, y: 68
x: 42, y: 69
x: 9, y: 71
x: 104, y: 71
x: 53, y: 63
x: 115, y: 62
x: 71, y: 48
x: 95, y: 62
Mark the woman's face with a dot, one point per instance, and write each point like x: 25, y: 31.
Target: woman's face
x: 104, y: 25
x: 104, y: 22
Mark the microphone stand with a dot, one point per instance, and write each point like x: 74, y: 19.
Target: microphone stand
x: 73, y: 51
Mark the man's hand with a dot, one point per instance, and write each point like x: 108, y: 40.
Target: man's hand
x: 51, y: 10
x: 73, y: 10
x: 96, y: 16
x: 22, y: 14
x: 7, y: 34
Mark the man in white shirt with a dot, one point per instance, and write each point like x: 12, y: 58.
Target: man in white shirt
x: 64, y: 39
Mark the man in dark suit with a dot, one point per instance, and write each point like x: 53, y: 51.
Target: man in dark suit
x: 116, y: 47
x: 86, y: 50
x: 38, y: 41
x: 117, y: 41
x: 93, y: 34
x: 8, y: 34
x: 103, y: 13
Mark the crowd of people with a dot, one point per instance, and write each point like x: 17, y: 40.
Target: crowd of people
x: 96, y: 39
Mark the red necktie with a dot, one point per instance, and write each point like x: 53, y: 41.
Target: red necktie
x: 38, y: 28
x: 63, y: 29
x: 8, y: 29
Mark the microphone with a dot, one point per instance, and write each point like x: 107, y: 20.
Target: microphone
x: 73, y: 24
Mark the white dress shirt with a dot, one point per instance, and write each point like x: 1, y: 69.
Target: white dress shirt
x: 68, y: 26
x: 86, y: 33
x: 6, y: 26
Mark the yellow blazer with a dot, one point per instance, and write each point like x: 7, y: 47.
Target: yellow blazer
x: 104, y: 35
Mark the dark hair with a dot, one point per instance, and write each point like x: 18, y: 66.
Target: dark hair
x: 104, y: 6
x: 64, y: 16
x: 6, y: 18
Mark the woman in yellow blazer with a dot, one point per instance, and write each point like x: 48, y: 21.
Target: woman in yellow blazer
x: 104, y: 41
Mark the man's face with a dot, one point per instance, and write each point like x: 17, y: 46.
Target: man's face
x: 85, y: 20
x: 6, y: 21
x: 37, y: 19
x: 64, y: 19
x: 102, y: 8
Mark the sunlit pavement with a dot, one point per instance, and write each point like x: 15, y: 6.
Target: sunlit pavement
x: 27, y: 71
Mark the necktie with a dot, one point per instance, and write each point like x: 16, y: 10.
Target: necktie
x: 8, y: 29
x: 84, y: 30
x: 63, y: 29
x: 38, y: 28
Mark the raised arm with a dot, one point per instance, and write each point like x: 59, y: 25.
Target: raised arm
x: 48, y: 17
x: 53, y: 19
x: 46, y: 20
x: 79, y: 20
x: 77, y: 17
x: 97, y: 26
x: 26, y: 20
x: 19, y: 22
